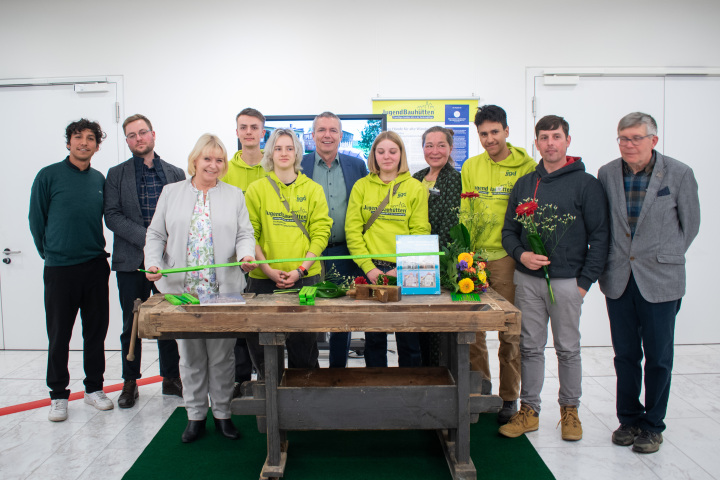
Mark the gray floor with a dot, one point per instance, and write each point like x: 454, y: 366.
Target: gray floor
x: 94, y: 444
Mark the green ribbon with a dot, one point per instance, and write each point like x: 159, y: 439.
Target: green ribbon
x: 280, y: 260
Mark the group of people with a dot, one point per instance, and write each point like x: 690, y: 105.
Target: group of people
x: 277, y: 203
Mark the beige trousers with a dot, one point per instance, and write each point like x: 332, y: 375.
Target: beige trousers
x: 501, y: 280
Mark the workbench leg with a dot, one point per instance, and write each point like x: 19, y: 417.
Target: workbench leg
x: 276, y: 446
x: 456, y: 441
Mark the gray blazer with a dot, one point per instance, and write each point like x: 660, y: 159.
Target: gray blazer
x: 123, y: 215
x: 167, y: 236
x: 668, y: 223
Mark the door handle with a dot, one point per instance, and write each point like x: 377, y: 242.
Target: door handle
x: 7, y: 251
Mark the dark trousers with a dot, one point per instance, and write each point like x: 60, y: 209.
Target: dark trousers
x: 243, y: 363
x: 638, y: 326
x: 131, y: 286
x: 340, y: 341
x: 82, y: 287
x: 408, y: 345
x: 301, y: 347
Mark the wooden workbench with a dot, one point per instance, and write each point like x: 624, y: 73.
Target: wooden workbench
x: 445, y: 399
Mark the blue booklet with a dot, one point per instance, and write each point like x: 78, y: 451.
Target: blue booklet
x: 418, y: 275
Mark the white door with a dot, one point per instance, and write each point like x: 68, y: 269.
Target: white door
x: 691, y: 128
x: 685, y: 110
x: 593, y: 108
x: 32, y: 131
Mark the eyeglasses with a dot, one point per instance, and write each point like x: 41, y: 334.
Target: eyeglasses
x: 141, y: 133
x: 634, y: 140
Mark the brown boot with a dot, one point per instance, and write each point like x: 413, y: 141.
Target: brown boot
x: 525, y: 420
x: 571, y: 426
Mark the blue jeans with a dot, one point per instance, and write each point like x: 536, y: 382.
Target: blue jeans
x: 340, y: 341
x: 636, y: 327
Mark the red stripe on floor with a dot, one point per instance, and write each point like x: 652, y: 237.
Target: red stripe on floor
x: 73, y: 396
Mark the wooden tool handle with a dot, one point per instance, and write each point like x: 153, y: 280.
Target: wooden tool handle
x: 134, y: 334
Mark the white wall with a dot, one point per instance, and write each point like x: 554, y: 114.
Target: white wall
x: 191, y: 66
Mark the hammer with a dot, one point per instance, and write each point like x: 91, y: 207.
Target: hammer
x: 134, y: 334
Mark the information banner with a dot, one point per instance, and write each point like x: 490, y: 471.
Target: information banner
x: 410, y: 118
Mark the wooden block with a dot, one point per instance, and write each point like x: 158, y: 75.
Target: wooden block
x: 378, y: 292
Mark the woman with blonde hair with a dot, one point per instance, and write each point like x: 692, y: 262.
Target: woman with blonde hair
x: 386, y: 203
x: 289, y: 215
x: 203, y: 221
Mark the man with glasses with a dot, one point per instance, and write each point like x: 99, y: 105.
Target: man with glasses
x: 132, y: 190
x: 336, y: 173
x: 654, y: 215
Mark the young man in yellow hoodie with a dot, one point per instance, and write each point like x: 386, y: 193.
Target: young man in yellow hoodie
x: 243, y: 169
x: 492, y: 175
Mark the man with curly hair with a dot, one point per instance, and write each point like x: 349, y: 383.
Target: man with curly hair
x: 66, y: 210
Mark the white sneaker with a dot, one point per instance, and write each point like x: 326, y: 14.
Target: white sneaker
x: 99, y: 400
x: 58, y: 410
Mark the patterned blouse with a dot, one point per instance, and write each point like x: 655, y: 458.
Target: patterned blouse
x: 200, y: 248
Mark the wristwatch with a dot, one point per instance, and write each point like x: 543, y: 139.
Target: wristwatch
x: 303, y: 271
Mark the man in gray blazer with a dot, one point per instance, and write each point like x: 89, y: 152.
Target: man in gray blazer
x: 132, y: 190
x: 655, y: 215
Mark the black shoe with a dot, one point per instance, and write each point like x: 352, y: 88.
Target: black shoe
x: 625, y: 435
x: 172, y: 386
x: 506, y: 412
x: 226, y: 427
x: 193, y: 431
x: 237, y: 390
x: 129, y: 394
x: 647, y: 442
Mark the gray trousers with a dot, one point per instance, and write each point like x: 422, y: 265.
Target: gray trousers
x: 207, y: 366
x: 533, y: 300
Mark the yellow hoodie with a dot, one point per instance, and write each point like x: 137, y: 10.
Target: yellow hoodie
x: 405, y: 214
x: 240, y: 174
x: 494, y: 182
x: 276, y: 232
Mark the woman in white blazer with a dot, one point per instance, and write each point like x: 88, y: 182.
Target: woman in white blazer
x: 203, y: 221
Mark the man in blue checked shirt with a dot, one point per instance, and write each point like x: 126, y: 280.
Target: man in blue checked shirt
x: 132, y: 190
x: 654, y: 216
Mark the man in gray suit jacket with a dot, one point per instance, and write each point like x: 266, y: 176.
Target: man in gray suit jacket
x: 131, y: 193
x: 655, y: 215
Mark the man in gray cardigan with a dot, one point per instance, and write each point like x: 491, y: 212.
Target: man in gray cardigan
x: 132, y: 190
x: 654, y: 215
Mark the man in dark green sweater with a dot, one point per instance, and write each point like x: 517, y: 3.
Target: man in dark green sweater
x: 66, y: 208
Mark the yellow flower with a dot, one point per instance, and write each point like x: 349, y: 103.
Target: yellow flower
x: 467, y: 257
x: 482, y: 276
x: 466, y: 285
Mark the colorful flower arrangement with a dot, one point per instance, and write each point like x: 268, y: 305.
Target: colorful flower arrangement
x: 544, y: 229
x: 471, y: 275
x: 462, y: 268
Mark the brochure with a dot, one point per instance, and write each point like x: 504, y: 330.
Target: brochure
x: 418, y: 275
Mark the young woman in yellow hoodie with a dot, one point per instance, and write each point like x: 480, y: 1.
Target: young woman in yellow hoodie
x: 406, y: 213
x: 277, y: 235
